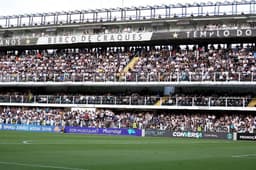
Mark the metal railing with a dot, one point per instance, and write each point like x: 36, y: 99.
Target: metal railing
x: 130, y: 77
x: 129, y: 100
x: 139, y: 13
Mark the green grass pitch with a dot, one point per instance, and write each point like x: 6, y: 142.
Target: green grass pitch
x: 41, y: 151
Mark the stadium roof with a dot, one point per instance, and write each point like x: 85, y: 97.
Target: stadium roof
x: 131, y: 13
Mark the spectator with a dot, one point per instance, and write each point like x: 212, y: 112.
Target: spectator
x: 142, y: 120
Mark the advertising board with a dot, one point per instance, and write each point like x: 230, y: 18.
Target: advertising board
x: 104, y: 131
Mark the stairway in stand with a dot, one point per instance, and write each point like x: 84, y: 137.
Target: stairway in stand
x: 252, y: 103
x: 131, y: 64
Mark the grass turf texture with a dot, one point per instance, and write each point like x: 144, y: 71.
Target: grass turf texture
x: 24, y: 150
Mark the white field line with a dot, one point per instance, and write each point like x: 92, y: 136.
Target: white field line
x: 243, y: 156
x: 111, y: 143
x: 25, y: 142
x: 10, y: 143
x: 38, y: 166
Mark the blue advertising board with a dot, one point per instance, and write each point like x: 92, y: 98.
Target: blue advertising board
x: 104, y: 131
x: 30, y: 128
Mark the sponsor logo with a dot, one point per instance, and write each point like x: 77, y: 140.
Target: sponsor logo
x: 112, y: 131
x: 46, y: 129
x: 103, y: 131
x: 155, y: 133
x: 35, y: 128
x: 229, y: 136
x: 83, y: 130
x: 9, y: 127
x: 22, y: 127
x: 248, y: 137
x: 95, y: 38
x: 187, y: 134
x: 210, y: 135
x: 131, y: 131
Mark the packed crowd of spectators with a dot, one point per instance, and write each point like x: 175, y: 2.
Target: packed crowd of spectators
x: 64, y: 66
x: 197, y: 64
x: 132, y: 119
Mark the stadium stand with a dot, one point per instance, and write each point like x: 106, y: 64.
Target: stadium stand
x: 135, y: 71
x: 104, y: 118
x: 237, y: 64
